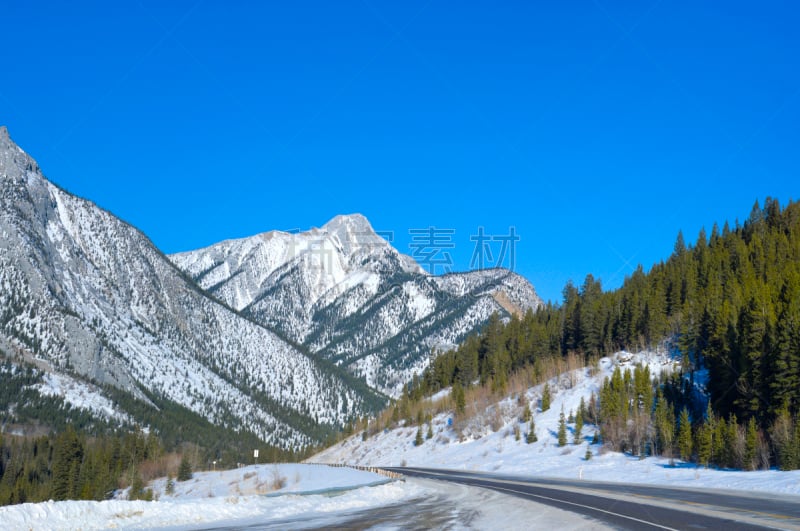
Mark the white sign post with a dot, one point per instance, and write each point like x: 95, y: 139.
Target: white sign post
x: 255, y: 457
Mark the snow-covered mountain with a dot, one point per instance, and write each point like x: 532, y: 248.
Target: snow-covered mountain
x: 350, y: 297
x: 82, y: 292
x: 280, y: 278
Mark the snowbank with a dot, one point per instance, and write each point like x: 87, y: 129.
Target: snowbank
x: 232, y: 497
x: 269, y: 480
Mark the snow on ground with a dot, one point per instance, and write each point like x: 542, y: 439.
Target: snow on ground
x: 313, y: 496
x: 440, y: 395
x: 474, y: 445
x: 231, y: 497
x: 80, y: 395
x: 291, y: 478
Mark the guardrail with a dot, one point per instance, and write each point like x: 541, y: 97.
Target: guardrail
x: 373, y: 469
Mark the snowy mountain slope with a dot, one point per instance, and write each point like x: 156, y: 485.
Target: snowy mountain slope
x: 486, y: 441
x: 89, y: 294
x: 33, y: 401
x: 81, y: 395
x: 350, y: 297
x: 279, y: 278
x: 395, y: 334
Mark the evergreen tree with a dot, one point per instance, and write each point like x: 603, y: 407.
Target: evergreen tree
x: 751, y: 445
x: 526, y: 413
x: 720, y: 447
x: 571, y: 328
x: 136, y: 491
x: 664, y: 424
x: 784, y: 364
x: 685, y: 435
x: 578, y: 426
x: 732, y: 450
x: 705, y: 434
x: 754, y: 342
x: 591, y: 316
x: 429, y: 435
x: 562, y: 429
x: 786, y: 440
x: 67, y: 457
x: 457, y: 393
x: 184, y: 469
x: 546, y: 397
x: 582, y: 411
x: 796, y: 445
x: 531, y: 437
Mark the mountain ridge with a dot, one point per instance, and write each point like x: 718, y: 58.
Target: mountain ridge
x: 89, y: 294
x: 322, y: 327
x: 347, y: 294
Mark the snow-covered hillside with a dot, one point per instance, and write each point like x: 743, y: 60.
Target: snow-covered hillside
x: 350, y: 297
x: 83, y: 293
x: 476, y: 445
x: 80, y: 394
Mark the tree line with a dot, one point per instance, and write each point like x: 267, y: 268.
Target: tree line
x: 659, y: 416
x: 71, y: 466
x: 729, y: 302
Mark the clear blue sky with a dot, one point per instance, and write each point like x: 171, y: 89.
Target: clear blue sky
x: 596, y: 129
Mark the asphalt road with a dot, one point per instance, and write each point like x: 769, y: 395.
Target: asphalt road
x: 638, y: 506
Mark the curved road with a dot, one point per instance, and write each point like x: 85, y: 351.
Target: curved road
x: 638, y: 506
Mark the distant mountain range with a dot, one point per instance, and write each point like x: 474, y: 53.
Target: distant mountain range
x: 286, y: 336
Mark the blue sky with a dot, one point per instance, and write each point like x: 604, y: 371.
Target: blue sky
x: 596, y: 129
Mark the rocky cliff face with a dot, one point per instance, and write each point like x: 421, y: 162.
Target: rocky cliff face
x: 84, y: 293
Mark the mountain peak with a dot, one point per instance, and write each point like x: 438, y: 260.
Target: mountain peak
x: 353, y: 223
x: 6, y: 144
x: 353, y: 232
x: 13, y: 160
x: 90, y: 292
